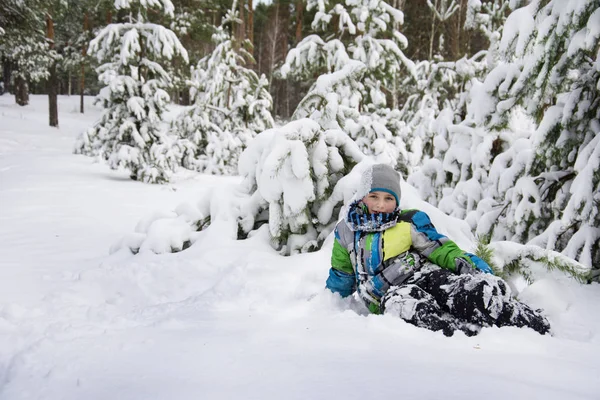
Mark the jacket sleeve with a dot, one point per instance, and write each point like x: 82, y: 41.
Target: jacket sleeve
x: 341, y: 275
x: 436, y: 247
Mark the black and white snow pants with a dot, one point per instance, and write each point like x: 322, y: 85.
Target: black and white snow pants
x: 438, y: 299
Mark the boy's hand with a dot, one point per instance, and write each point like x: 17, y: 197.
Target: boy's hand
x: 370, y: 296
x: 463, y: 267
x: 480, y: 264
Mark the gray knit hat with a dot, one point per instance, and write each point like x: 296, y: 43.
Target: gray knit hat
x: 385, y: 179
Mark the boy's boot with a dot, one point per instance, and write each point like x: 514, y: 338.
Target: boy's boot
x: 519, y: 314
x: 481, y: 299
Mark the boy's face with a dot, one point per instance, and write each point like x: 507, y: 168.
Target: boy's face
x: 380, y: 202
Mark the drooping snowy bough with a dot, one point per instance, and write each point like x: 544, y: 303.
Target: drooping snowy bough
x: 292, y: 179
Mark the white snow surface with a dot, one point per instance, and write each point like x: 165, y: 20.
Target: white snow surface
x: 224, y: 319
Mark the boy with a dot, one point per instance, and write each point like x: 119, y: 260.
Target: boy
x: 385, y: 254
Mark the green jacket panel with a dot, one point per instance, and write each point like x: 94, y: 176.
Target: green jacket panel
x: 340, y: 258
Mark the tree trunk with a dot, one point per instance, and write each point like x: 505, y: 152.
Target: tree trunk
x: 52, y: 80
x: 299, y: 15
x: 83, y: 56
x: 432, y: 34
x: 6, y: 73
x: 242, y: 27
x: 250, y: 23
x: 335, y: 22
x: 273, y: 36
x: 21, y: 91
x: 453, y: 31
x: 394, y: 95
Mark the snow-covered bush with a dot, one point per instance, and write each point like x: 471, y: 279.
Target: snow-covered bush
x: 29, y: 56
x: 231, y: 105
x: 292, y: 182
x: 165, y: 232
x: 130, y: 134
x: 333, y: 102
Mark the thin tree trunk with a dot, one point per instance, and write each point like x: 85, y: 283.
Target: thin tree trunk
x: 288, y: 113
x: 242, y: 27
x: 396, y: 4
x: 250, y: 23
x: 259, y: 51
x: 433, y: 18
x: 6, y: 73
x: 83, y: 56
x: 273, y: 44
x: 52, y: 81
x: 299, y: 15
x: 21, y: 91
x: 335, y: 22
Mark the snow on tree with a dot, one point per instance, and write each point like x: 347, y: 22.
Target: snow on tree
x: 130, y: 134
x: 294, y: 181
x: 551, y: 195
x: 23, y: 46
x: 447, y: 150
x: 231, y: 105
x: 358, y: 70
x: 31, y: 58
x: 488, y: 18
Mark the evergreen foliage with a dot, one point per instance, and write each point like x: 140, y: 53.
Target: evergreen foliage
x: 23, y: 45
x: 359, y: 67
x: 530, y: 262
x: 550, y: 69
x: 293, y: 181
x: 449, y: 155
x: 433, y: 111
x: 296, y: 179
x: 129, y: 134
x: 486, y: 253
x: 231, y: 105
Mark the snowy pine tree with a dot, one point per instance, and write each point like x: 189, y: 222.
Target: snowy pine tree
x: 130, y: 134
x: 358, y: 69
x: 231, y: 105
x: 551, y: 196
x: 23, y: 46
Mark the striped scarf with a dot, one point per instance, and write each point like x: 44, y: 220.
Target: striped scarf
x: 360, y: 220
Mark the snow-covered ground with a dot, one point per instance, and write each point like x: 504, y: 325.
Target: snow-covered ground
x: 223, y: 319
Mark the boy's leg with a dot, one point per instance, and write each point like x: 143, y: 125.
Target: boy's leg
x: 415, y: 306
x: 482, y: 299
